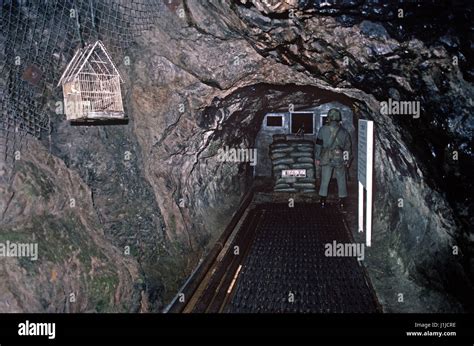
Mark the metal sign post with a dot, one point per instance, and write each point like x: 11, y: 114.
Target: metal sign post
x: 364, y: 174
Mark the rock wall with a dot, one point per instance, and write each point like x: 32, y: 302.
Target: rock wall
x: 202, y: 78
x: 293, y: 154
x: 77, y: 269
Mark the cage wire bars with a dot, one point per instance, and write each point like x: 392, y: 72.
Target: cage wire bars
x: 37, y: 40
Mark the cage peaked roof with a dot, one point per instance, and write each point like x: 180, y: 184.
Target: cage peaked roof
x: 90, y: 57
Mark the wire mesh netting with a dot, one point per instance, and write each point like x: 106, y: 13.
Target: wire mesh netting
x: 37, y: 40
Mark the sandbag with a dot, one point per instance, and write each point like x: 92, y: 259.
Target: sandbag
x: 285, y: 190
x: 281, y: 150
x: 290, y: 180
x: 307, y: 180
x: 302, y: 166
x: 305, y: 160
x: 279, y: 168
x: 304, y: 185
x: 279, y: 137
x: 300, y: 154
x: 280, y: 144
x: 281, y: 181
x: 306, y: 149
x: 276, y: 156
x: 282, y: 186
x: 284, y: 161
x: 303, y: 145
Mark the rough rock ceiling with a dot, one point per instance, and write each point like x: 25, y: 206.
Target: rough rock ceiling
x: 191, y: 60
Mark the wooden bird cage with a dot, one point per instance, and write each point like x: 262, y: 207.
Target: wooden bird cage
x: 91, y: 86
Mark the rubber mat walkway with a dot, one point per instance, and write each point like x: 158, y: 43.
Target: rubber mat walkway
x: 286, y: 268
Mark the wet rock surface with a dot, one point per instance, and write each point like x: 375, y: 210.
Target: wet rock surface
x: 203, y: 78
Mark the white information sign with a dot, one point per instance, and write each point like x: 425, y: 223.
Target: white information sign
x: 298, y: 173
x: 365, y: 166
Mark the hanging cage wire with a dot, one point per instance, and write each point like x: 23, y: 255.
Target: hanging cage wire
x: 91, y: 86
x: 37, y: 40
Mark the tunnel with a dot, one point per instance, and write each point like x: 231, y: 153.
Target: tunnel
x: 146, y: 214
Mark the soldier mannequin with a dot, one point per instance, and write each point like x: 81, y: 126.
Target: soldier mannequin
x: 333, y: 150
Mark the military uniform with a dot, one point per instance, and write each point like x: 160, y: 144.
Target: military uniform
x: 333, y: 150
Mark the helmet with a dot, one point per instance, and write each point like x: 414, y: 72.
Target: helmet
x: 334, y: 115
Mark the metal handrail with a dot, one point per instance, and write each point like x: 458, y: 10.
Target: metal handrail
x: 198, y: 274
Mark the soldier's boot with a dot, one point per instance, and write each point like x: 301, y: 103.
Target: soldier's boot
x: 342, y: 203
x: 322, y: 202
